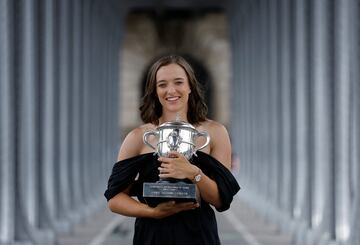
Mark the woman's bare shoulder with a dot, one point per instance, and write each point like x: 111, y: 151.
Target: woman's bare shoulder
x: 133, y: 142
x: 139, y: 131
x: 219, y: 141
x: 213, y: 126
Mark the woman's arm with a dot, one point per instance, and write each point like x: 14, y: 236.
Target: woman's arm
x: 123, y: 204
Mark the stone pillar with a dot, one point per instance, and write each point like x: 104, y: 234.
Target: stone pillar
x: 355, y: 122
x: 76, y: 98
x: 48, y: 116
x: 322, y: 213
x: 264, y: 88
x: 301, y: 122
x: 285, y: 127
x: 27, y: 121
x: 64, y: 130
x: 85, y: 107
x: 95, y: 96
x: 342, y: 109
x: 274, y: 76
x: 259, y: 101
x: 7, y: 120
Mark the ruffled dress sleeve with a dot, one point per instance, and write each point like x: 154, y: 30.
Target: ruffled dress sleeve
x: 124, y: 173
x: 226, y: 182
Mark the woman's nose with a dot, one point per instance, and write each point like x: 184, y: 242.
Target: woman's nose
x: 171, y: 89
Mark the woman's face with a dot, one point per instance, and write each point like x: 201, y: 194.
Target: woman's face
x: 172, y: 88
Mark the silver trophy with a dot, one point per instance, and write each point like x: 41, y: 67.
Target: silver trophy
x: 173, y: 136
x: 176, y: 136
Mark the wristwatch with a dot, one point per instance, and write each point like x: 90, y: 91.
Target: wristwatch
x: 197, y: 177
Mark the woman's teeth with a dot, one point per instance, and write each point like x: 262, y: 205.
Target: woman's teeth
x: 172, y: 98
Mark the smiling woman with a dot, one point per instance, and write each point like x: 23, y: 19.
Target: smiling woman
x: 172, y: 91
x: 172, y: 69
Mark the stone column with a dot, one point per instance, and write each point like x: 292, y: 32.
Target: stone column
x: 355, y: 122
x: 285, y: 127
x: 76, y: 94
x: 342, y: 107
x: 63, y: 165
x: 301, y: 123
x: 48, y: 116
x: 322, y: 213
x: 85, y: 107
x: 27, y: 90
x: 274, y: 103
x: 7, y: 120
x: 245, y: 168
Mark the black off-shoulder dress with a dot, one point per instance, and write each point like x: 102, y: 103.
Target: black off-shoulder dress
x: 192, y: 227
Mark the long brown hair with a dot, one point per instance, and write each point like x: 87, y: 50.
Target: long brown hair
x: 151, y: 109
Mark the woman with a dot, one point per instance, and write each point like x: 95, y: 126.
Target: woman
x: 172, y: 92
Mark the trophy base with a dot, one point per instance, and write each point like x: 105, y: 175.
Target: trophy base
x: 163, y: 191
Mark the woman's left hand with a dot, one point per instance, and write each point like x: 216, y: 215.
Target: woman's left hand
x: 176, y: 166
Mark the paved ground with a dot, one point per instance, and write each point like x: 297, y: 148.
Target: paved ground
x: 238, y: 226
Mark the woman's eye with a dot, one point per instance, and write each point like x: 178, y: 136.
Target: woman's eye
x: 161, y: 85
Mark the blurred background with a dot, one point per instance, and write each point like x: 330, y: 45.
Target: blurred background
x: 282, y: 75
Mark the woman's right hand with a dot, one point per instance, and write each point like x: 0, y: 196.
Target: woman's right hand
x: 166, y: 209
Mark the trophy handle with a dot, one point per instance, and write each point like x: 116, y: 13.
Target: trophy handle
x: 145, y: 136
x: 203, y: 134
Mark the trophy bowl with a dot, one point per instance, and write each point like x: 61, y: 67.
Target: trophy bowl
x: 176, y: 136
x: 173, y: 136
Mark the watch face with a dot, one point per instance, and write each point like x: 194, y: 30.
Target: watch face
x: 198, y: 178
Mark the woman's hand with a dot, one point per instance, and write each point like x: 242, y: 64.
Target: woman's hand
x: 176, y: 166
x: 166, y: 209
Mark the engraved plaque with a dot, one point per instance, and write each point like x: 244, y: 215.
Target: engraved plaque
x: 158, y: 192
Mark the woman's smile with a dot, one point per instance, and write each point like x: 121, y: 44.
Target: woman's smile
x: 173, y: 98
